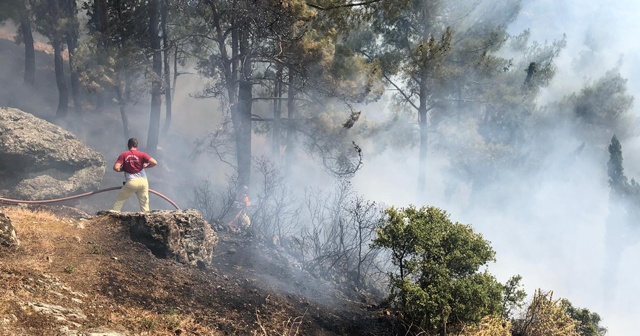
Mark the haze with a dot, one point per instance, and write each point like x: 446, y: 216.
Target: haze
x: 547, y: 225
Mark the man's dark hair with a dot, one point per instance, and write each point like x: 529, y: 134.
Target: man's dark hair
x: 133, y: 142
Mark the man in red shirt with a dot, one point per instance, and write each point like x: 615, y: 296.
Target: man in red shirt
x: 132, y: 163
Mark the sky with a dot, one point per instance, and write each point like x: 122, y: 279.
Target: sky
x: 573, y: 267
x: 611, y: 26
x: 554, y: 235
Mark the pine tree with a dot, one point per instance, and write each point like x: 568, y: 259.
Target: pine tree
x: 617, y: 180
x: 624, y: 212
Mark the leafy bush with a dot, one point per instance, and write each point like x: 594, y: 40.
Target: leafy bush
x: 513, y: 296
x: 589, y: 323
x: 436, y: 284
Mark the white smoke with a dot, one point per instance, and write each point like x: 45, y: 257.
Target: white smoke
x: 552, y: 228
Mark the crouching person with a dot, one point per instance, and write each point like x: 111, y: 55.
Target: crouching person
x: 239, y: 219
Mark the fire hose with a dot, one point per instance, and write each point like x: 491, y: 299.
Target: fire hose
x: 14, y: 201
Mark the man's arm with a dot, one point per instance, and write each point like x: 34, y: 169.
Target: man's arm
x: 119, y: 162
x: 152, y: 162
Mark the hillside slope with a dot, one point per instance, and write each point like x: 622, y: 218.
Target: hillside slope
x: 75, y: 274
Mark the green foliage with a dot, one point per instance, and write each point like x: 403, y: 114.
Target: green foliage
x: 624, y: 201
x: 437, y: 285
x: 453, y: 64
x: 448, y: 46
x: 603, y: 108
x: 605, y: 100
x: 501, y: 115
x: 625, y: 192
x: 124, y: 22
x: 10, y: 9
x: 617, y: 180
x: 148, y: 323
x: 51, y: 20
x: 589, y: 322
x: 512, y: 86
x: 513, y: 296
x: 69, y: 268
x: 117, y: 47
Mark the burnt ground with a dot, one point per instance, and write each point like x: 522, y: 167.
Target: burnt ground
x: 103, y: 281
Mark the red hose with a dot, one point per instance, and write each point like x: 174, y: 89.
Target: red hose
x: 165, y: 198
x: 14, y: 201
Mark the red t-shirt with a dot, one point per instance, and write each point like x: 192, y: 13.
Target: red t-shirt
x: 132, y: 161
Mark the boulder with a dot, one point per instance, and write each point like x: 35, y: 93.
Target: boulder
x: 181, y: 235
x: 39, y: 160
x: 8, y: 237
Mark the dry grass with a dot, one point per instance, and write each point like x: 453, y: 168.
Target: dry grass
x: 40, y: 231
x: 9, y: 33
x: 60, y: 263
x: 93, y: 267
x: 290, y: 327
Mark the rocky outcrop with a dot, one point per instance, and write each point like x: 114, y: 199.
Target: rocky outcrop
x: 39, y: 160
x: 8, y: 237
x: 181, y: 235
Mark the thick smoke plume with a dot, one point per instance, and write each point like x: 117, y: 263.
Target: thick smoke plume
x: 547, y: 223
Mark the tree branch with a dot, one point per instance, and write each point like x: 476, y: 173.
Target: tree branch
x: 406, y: 97
x: 356, y: 4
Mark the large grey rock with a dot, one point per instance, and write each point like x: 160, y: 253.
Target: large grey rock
x: 8, y: 237
x: 39, y: 160
x: 181, y: 235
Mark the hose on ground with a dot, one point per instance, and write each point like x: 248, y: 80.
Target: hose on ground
x: 55, y: 200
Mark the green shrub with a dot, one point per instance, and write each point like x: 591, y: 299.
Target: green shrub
x: 437, y: 285
x: 589, y: 323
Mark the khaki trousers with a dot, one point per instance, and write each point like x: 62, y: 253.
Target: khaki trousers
x: 140, y: 186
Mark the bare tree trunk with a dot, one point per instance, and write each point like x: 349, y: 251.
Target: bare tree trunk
x: 277, y: 113
x: 291, y: 115
x: 56, y: 42
x: 238, y: 91
x: 71, y: 12
x: 101, y: 9
x: 156, y: 81
x: 243, y: 129
x: 63, y: 92
x: 175, y: 71
x: 29, y: 50
x: 75, y: 80
x: 424, y: 136
x: 122, y: 103
x: 167, y: 67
